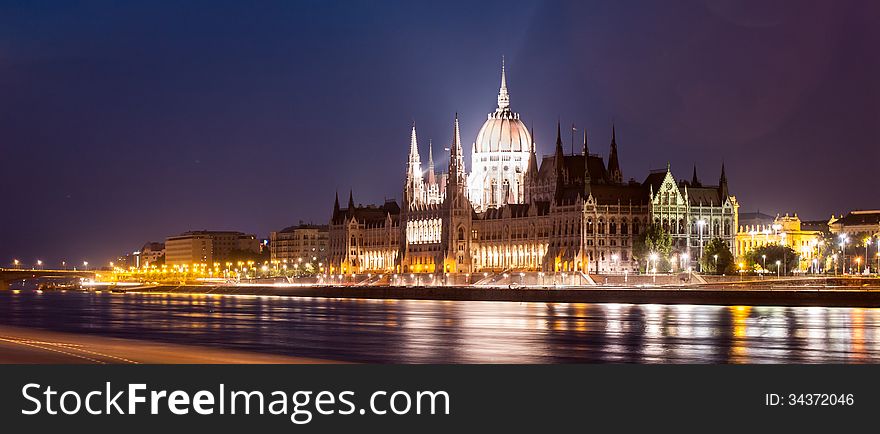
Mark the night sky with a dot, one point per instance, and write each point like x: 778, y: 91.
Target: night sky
x: 123, y: 123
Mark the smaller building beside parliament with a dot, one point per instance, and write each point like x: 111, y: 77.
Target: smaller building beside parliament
x: 515, y: 211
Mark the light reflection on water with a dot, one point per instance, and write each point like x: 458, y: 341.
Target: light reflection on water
x: 416, y: 331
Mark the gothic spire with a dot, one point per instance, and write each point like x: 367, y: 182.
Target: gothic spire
x: 413, y: 144
x: 456, y: 160
x: 413, y: 188
x: 559, y: 152
x: 613, y: 162
x: 533, y: 157
x: 431, y: 175
x: 586, y: 149
x: 503, y: 96
x: 336, y: 204
x: 695, y: 182
x: 350, y: 202
x: 722, y: 184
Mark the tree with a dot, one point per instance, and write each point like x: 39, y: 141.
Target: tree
x: 657, y: 241
x: 785, y: 255
x: 724, y: 264
x: 244, y: 255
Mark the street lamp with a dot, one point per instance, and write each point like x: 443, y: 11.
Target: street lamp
x: 867, y: 243
x: 764, y: 257
x: 86, y: 265
x: 843, y: 239
x: 15, y: 263
x: 700, y: 224
x: 778, y: 264
x: 716, y: 263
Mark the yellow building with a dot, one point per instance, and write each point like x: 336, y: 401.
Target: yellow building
x: 785, y: 230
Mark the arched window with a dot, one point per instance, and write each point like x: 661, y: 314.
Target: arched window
x: 612, y: 227
x: 624, y: 229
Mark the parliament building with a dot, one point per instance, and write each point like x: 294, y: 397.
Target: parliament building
x: 516, y: 212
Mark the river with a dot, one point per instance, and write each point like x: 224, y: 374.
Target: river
x: 424, y: 331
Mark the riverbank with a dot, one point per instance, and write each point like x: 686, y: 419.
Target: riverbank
x: 766, y: 296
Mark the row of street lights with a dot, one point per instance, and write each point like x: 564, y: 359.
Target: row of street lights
x: 38, y: 265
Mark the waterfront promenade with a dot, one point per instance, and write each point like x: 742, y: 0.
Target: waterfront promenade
x: 826, y: 292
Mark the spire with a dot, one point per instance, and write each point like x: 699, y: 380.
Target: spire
x: 336, y: 204
x: 413, y: 144
x: 431, y: 176
x: 413, y: 188
x: 533, y: 157
x: 456, y: 160
x: 350, y: 202
x: 587, y: 179
x: 558, y: 139
x: 586, y: 149
x: 722, y: 184
x: 503, y: 96
x: 613, y: 162
x: 695, y: 182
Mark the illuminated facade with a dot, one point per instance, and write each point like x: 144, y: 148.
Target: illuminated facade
x: 207, y: 247
x: 514, y: 211
x: 295, y: 244
x: 786, y: 231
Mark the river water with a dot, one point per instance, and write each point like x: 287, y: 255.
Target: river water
x: 418, y: 331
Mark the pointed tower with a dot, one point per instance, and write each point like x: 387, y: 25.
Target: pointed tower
x: 456, y: 175
x: 503, y: 96
x: 336, y: 207
x: 695, y: 182
x: 456, y: 224
x: 414, y: 188
x: 559, y: 152
x: 586, y: 150
x: 587, y: 179
x: 432, y: 177
x: 722, y: 184
x: 613, y: 164
x: 560, y: 163
x: 350, y: 209
x: 531, y: 172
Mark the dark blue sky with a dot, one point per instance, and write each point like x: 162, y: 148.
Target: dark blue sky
x: 123, y: 123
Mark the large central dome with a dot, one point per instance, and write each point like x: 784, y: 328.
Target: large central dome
x: 500, y: 157
x: 503, y: 131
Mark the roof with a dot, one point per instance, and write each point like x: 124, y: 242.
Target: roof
x: 704, y: 195
x: 608, y: 194
x: 860, y: 218
x: 305, y: 226
x: 654, y: 180
x: 756, y: 217
x: 370, y: 214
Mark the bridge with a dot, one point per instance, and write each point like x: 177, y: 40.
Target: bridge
x: 9, y: 275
